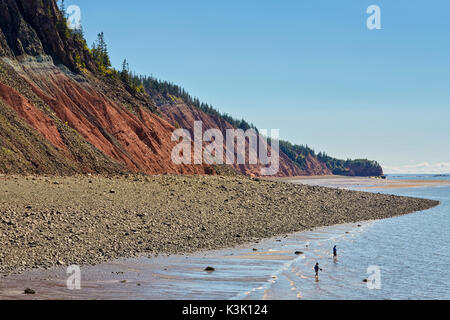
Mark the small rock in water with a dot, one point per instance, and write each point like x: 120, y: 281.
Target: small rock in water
x: 254, y: 249
x: 29, y: 291
x: 210, y: 269
x: 298, y: 252
x: 365, y: 280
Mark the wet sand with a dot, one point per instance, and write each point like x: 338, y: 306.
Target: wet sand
x: 241, y: 273
x: 363, y: 182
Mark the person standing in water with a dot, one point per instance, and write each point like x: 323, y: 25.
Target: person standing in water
x: 316, y: 269
x: 335, y: 252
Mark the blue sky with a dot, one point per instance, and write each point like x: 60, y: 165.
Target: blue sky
x: 309, y: 68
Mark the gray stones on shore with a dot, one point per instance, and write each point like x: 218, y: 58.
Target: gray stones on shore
x: 210, y: 269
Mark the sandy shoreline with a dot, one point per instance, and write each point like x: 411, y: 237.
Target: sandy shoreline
x: 46, y: 221
x: 241, y: 272
x: 364, y: 182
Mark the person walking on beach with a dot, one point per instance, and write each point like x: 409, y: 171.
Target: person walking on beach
x: 316, y: 269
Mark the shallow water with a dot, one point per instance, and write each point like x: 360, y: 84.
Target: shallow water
x: 240, y: 273
x: 410, y: 251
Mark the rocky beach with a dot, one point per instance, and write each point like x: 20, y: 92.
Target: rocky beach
x: 85, y: 220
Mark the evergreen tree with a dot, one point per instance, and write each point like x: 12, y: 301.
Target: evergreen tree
x: 125, y: 67
x: 100, y: 52
x: 125, y: 73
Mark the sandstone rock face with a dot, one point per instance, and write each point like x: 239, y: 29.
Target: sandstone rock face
x: 34, y: 28
x: 20, y: 38
x: 55, y: 121
x: 184, y: 115
x: 93, y: 123
x: 32, y: 115
x: 137, y: 140
x: 59, y: 114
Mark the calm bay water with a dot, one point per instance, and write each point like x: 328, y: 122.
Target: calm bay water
x: 411, y: 252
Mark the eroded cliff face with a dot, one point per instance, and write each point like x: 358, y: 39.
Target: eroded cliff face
x: 29, y: 27
x: 79, y: 121
x: 55, y: 121
x: 181, y: 114
x: 84, y: 122
x: 60, y: 115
